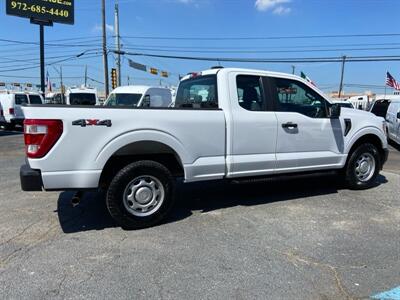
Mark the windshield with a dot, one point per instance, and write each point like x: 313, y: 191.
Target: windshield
x: 380, y: 108
x: 35, y: 99
x: 123, y: 99
x: 82, y: 99
x: 346, y: 104
x: 198, y: 92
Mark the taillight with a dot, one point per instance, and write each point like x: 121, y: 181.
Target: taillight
x: 11, y: 111
x: 40, y: 136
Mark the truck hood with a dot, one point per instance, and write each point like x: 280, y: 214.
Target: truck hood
x: 357, y: 113
x: 363, y: 119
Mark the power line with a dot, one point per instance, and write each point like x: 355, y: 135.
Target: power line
x: 263, y: 51
x: 259, y: 47
x: 264, y: 38
x: 51, y: 63
x: 273, y: 60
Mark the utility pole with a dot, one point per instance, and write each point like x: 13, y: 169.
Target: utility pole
x: 42, y: 84
x: 293, y: 69
x: 117, y: 44
x: 62, y: 86
x: 341, y: 76
x: 85, y: 75
x: 105, y: 59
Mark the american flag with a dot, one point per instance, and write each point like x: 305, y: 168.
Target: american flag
x: 390, y: 81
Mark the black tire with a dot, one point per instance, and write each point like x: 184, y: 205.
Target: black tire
x: 118, y: 207
x: 352, y: 179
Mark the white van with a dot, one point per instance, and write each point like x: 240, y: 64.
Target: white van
x: 2, y: 119
x: 393, y: 121
x: 139, y: 96
x: 360, y: 102
x: 11, y: 102
x: 81, y: 96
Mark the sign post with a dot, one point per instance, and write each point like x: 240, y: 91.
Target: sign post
x: 42, y: 13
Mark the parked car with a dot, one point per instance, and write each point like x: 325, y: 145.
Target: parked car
x: 235, y: 124
x: 393, y: 121
x: 11, y: 102
x: 380, y: 107
x: 139, y: 96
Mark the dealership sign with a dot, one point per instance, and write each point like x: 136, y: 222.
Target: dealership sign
x: 57, y: 11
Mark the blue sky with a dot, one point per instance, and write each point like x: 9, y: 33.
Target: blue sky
x: 218, y: 19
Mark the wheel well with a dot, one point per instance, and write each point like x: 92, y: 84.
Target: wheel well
x: 372, y: 139
x: 143, y: 150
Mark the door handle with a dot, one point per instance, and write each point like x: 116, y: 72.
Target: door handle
x: 289, y: 125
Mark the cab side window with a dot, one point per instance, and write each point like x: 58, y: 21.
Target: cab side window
x: 250, y: 93
x: 21, y: 99
x: 295, y: 96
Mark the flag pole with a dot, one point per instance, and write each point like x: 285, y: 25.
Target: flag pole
x: 385, y: 87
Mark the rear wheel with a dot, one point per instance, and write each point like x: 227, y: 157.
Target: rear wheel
x: 141, y: 194
x: 362, y: 167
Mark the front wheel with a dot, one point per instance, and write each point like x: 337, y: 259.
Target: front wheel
x: 141, y: 194
x: 362, y: 167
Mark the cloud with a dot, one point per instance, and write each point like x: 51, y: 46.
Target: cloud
x: 98, y: 28
x: 275, y: 5
x: 281, y: 10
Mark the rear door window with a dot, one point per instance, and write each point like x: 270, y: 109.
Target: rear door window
x: 21, y: 99
x: 198, y: 92
x: 250, y: 92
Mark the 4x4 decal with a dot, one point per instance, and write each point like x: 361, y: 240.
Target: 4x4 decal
x: 92, y: 122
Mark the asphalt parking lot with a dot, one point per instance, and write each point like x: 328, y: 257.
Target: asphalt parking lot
x: 308, y: 239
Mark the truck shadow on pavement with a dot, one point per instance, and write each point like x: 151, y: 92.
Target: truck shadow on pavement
x: 394, y: 145
x: 92, y: 214
x: 9, y: 133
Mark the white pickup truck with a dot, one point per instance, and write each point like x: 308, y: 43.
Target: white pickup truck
x: 227, y: 123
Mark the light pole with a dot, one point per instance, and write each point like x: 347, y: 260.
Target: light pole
x: 105, y: 59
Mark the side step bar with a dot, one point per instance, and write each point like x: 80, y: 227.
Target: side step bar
x: 278, y: 177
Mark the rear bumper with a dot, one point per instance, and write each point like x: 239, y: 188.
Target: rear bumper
x: 31, y: 180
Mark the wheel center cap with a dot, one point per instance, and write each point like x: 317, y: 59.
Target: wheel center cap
x: 364, y: 167
x: 143, y: 195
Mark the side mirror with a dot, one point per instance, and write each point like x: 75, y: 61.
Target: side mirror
x: 146, y: 101
x: 335, y: 111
